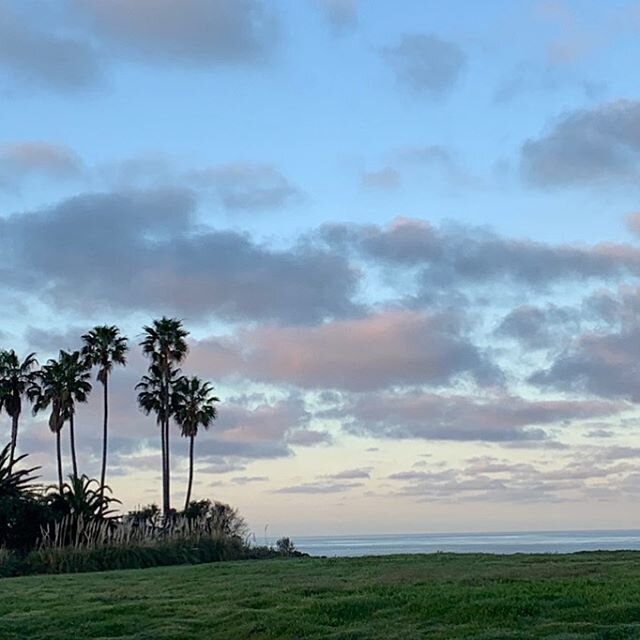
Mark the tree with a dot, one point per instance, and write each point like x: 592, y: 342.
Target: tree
x: 76, y: 389
x: 193, y: 406
x: 60, y: 385
x: 104, y: 348
x: 165, y: 344
x: 48, y: 392
x: 16, y: 378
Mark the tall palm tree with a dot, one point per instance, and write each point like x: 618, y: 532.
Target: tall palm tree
x: 48, y: 391
x: 76, y: 389
x: 193, y: 406
x: 104, y: 348
x: 15, y: 380
x: 164, y: 342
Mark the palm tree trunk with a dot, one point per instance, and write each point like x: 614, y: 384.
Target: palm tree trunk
x: 59, y: 456
x: 166, y: 496
x: 105, y: 426
x: 164, y: 468
x: 190, y: 483
x: 168, y: 480
x: 14, y: 438
x: 72, y: 437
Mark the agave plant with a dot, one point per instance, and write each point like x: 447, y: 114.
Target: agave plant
x: 15, y: 483
x: 82, y: 497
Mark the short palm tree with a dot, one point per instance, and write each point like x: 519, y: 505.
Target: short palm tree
x: 193, y: 406
x: 76, y: 389
x: 164, y: 342
x: 104, y: 348
x: 60, y: 384
x: 48, y: 393
x: 16, y: 378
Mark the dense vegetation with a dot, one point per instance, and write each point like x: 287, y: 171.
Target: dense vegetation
x: 74, y: 526
x: 441, y: 597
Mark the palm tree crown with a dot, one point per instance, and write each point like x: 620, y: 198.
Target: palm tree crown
x: 104, y: 347
x: 193, y: 405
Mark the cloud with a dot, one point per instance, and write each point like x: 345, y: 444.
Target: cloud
x: 425, y: 63
x: 527, y: 79
x: 586, y: 476
x: 457, y: 255
x: 31, y: 57
x: 320, y: 487
x: 81, y: 251
x: 308, y: 438
x: 417, y: 414
x: 536, y: 327
x: 341, y: 14
x: 387, y: 179
x: 387, y: 348
x: 351, y: 474
x: 602, y: 364
x: 587, y: 146
x: 248, y: 187
x: 196, y: 32
x: 242, y: 480
x: 23, y: 160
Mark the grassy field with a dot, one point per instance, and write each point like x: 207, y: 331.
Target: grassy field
x: 595, y: 595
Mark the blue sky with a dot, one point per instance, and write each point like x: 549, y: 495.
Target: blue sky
x: 403, y: 236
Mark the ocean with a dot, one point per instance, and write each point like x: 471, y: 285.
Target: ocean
x: 518, y: 542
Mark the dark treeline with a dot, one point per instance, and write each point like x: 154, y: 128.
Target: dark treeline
x: 62, y: 383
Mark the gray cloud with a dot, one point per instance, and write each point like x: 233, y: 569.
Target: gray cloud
x: 416, y: 414
x: 320, y: 487
x: 371, y: 352
x: 80, y: 252
x: 248, y: 187
x: 387, y: 178
x: 32, y: 57
x: 455, y: 255
x: 351, y: 474
x: 603, y: 364
x: 425, y: 63
x: 341, y: 14
x: 585, y: 147
x: 23, y: 160
x: 199, y: 32
x: 537, y: 327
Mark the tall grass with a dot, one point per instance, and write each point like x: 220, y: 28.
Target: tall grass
x: 74, y: 544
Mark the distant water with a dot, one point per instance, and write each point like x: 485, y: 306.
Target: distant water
x: 538, y: 542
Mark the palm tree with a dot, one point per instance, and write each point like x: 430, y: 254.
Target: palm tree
x: 60, y: 385
x: 48, y: 391
x: 15, y: 380
x: 193, y: 407
x: 76, y: 389
x: 165, y: 344
x: 104, y: 347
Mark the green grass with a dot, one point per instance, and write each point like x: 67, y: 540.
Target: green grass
x: 560, y: 597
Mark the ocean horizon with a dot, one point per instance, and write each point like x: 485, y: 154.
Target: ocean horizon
x: 507, y: 542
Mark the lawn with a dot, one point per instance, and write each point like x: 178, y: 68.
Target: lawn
x: 590, y: 595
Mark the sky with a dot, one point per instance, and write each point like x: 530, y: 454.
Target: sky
x: 404, y: 237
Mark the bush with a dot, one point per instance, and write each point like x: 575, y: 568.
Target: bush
x: 11, y: 564
x: 134, y: 556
